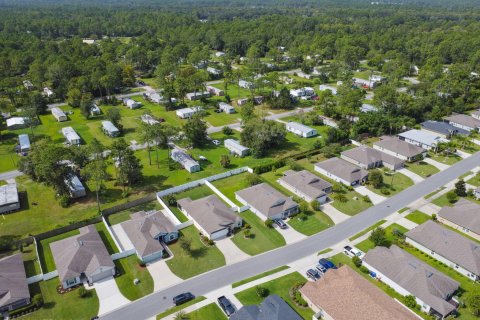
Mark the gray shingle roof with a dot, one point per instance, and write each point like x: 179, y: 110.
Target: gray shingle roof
x: 442, y: 127
x: 464, y: 213
x: 13, y: 280
x: 463, y: 119
x: 398, y: 146
x: 82, y: 253
x: 448, y: 244
x: 367, y: 155
x: 8, y: 194
x: 342, y: 169
x: 415, y: 276
x: 266, y: 199
x: 300, y: 127
x: 209, y: 212
x: 272, y: 308
x: 306, y: 182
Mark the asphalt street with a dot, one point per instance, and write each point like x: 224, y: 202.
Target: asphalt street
x: 159, y: 301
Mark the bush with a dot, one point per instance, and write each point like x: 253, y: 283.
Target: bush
x: 434, y: 217
x: 37, y: 300
x: 452, y: 196
x: 366, y: 198
x: 317, y: 144
x: 64, y: 201
x: 253, y: 179
x: 227, y: 130
x: 340, y: 197
x: 295, y: 166
x: 247, y: 233
x: 385, y: 191
x: 210, y: 242
x: 268, y: 223
x: 302, y: 217
x: 410, y: 301
x: 379, y: 238
x: 170, y: 200
x: 82, y: 292
x: 261, y: 291
x: 364, y: 269
x: 247, y: 226
x: 357, y: 261
x: 315, y: 204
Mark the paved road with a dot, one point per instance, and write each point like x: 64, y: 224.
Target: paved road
x: 159, y: 301
x: 10, y: 175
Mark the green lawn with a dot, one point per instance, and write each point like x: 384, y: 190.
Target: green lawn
x: 431, y: 194
x: 394, y: 182
x: 418, y: 217
x: 199, y: 259
x: 30, y: 260
x: 45, y: 254
x: 422, y: 168
x: 195, y: 193
x: 366, y: 244
x: 475, y: 181
x: 445, y: 159
x: 129, y: 270
x: 106, y: 238
x: 259, y: 276
x: 351, y: 207
x: 210, y: 312
x: 442, y: 201
x: 281, y: 287
x: 358, y: 235
x: 262, y: 238
x: 230, y: 185
x: 180, y: 307
x: 66, y: 306
x: 325, y: 251
x: 122, y: 216
x: 315, y: 222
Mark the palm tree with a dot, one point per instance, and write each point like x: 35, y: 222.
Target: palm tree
x: 146, y: 136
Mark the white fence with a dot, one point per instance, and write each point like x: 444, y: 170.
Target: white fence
x: 221, y: 195
x: 112, y: 234
x: 123, y: 254
x: 170, y: 215
x: 34, y: 279
x: 50, y: 275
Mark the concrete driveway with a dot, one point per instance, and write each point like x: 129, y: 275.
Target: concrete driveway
x: 440, y: 166
x: 333, y: 213
x: 375, y: 198
x: 415, y: 177
x: 289, y: 234
x: 162, y: 276
x: 109, y: 295
x: 231, y: 252
x: 122, y: 237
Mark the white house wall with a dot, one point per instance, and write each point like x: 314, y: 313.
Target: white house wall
x: 331, y: 176
x: 459, y: 228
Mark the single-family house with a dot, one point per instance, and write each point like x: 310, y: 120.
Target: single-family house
x: 71, y: 136
x: 324, y: 87
x: 236, y: 148
x: 185, y: 160
x: 463, y: 121
x: 109, y: 129
x: 214, y: 71
x: 272, y: 308
x: 59, y: 114
x: 301, y: 129
x: 305, y: 93
x: 14, y: 291
x: 329, y: 122
x: 422, y: 139
x: 408, y: 275
x: 464, y: 216
x: 149, y: 232
x: 366, y: 84
x: 343, y: 294
x: 400, y: 149
x: 15, y: 123
x: 211, y: 216
x: 47, y: 92
x: 307, y: 76
x: 75, y: 186
x: 443, y: 129
x: 28, y: 85
x: 9, y: 200
x: 342, y: 171
x: 225, y: 107
x: 192, y: 96
x: 23, y: 143
x: 89, y: 41
x: 95, y: 110
x: 131, y: 104
x: 369, y: 158
x: 306, y: 185
x: 82, y: 257
x: 242, y: 102
x: 215, y: 91
x: 245, y: 84
x: 148, y: 119
x: 186, y: 113
x: 266, y: 202
x: 448, y: 247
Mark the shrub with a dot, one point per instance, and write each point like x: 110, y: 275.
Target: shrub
x: 315, y: 204
x: 227, y: 130
x: 318, y: 144
x: 473, y: 302
x: 375, y: 177
x: 253, y: 179
x: 247, y: 226
x: 82, y: 292
x: 385, y: 191
x: 37, y: 300
x: 269, y: 223
x: 210, y: 242
x: 357, y: 261
x: 340, y: 197
x: 302, y: 217
x: 64, y: 201
x: 295, y: 166
x: 410, y: 301
x: 379, y: 238
x: 170, y: 200
x: 366, y: 198
x: 247, y: 233
x: 261, y: 291
x: 364, y: 269
x: 452, y: 196
x: 434, y: 217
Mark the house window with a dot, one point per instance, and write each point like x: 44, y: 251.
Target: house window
x: 71, y: 282
x: 172, y: 237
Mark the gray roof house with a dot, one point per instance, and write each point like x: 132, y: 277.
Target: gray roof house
x: 422, y: 139
x: 399, y: 148
x: 9, y: 200
x: 306, y: 185
x: 109, y: 129
x: 71, y: 136
x: 186, y: 113
x: 447, y: 246
x: 14, y: 291
x: 266, y: 202
x: 225, y: 107
x: 15, y: 123
x: 301, y: 129
x: 463, y: 216
x: 59, y: 114
x: 148, y: 231
x: 408, y: 275
x: 272, y: 308
x: 342, y: 171
x: 442, y: 129
x: 131, y: 104
x: 185, y: 160
x: 75, y: 186
x: 23, y: 143
x: 197, y: 95
x: 82, y: 256
x: 211, y: 216
x: 463, y: 121
x: 369, y: 158
x: 235, y: 147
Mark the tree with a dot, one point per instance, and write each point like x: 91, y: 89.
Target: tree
x: 410, y: 301
x: 375, y: 177
x: 86, y: 104
x: 114, y: 116
x: 261, y: 136
x: 378, y: 237
x: 357, y: 261
x: 253, y: 179
x: 460, y: 189
x: 226, y: 130
x: 129, y: 168
x: 96, y: 169
x: 283, y: 101
x: 74, y: 97
x: 473, y: 302
x: 452, y: 196
x: 247, y: 112
x: 147, y: 135
x: 196, y: 131
x: 225, y: 160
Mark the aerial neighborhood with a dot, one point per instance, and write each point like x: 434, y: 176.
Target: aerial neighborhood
x: 226, y: 160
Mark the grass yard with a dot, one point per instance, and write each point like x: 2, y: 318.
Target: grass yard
x: 230, y: 185
x: 62, y: 306
x: 262, y: 238
x: 45, y: 254
x: 129, y: 270
x: 30, y: 260
x: 393, y: 182
x: 325, y: 251
x: 358, y: 235
x: 281, y: 287
x: 315, y: 222
x: 210, y: 312
x: 125, y: 215
x: 180, y: 307
x: 422, y: 168
x: 366, y: 244
x: 259, y: 276
x: 198, y: 259
x: 431, y: 194
x: 106, y: 238
x: 445, y: 159
x: 351, y: 207
x: 475, y: 181
x: 442, y: 201
x: 418, y: 217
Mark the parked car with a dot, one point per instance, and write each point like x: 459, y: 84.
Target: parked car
x: 280, y: 223
x: 216, y: 142
x: 321, y: 269
x: 351, y: 252
x: 327, y: 264
x: 226, y: 306
x: 140, y: 82
x: 313, y: 274
x: 182, y: 298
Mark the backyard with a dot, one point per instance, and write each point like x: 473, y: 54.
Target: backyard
x: 422, y: 168
x: 129, y: 270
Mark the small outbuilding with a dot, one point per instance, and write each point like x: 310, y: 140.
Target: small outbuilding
x: 71, y: 136
x: 59, y: 114
x: 23, y: 143
x: 9, y: 200
x: 109, y: 129
x: 235, y: 147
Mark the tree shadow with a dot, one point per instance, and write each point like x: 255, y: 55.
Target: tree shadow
x: 198, y: 253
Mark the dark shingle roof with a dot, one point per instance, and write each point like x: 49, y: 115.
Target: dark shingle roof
x: 343, y: 169
x: 464, y: 213
x: 442, y: 128
x: 13, y: 280
x: 272, y: 308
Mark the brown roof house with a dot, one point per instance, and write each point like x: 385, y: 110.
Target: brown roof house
x: 342, y: 171
x: 148, y: 232
x: 211, y: 216
x: 408, y: 275
x: 369, y: 158
x: 400, y: 149
x: 343, y: 294
x: 448, y: 247
x: 306, y: 185
x: 14, y: 292
x: 82, y: 257
x: 463, y: 216
x: 266, y: 202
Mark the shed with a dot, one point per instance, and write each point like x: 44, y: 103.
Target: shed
x: 109, y: 129
x: 9, y: 200
x: 59, y: 114
x: 23, y: 143
x: 235, y: 147
x: 71, y: 136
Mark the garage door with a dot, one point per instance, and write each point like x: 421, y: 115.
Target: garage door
x: 219, y: 234
x: 101, y: 275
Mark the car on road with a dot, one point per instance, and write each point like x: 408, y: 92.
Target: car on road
x: 182, y: 298
x: 313, y: 274
x: 351, y: 252
x: 226, y: 306
x: 280, y: 223
x: 216, y: 142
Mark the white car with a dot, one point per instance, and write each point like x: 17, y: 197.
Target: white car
x: 216, y: 142
x: 351, y: 252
